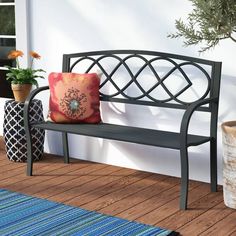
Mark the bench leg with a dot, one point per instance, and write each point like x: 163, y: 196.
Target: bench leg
x: 29, y: 153
x: 213, y: 164
x: 184, y: 178
x: 65, y: 147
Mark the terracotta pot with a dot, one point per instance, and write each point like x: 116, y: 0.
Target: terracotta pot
x: 229, y: 163
x: 21, y: 91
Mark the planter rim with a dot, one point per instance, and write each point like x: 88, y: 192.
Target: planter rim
x: 20, y: 84
x: 229, y: 126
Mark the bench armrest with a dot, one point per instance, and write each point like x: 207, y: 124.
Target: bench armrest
x: 187, y: 116
x: 27, y: 104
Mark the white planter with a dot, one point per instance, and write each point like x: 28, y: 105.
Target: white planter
x: 229, y: 163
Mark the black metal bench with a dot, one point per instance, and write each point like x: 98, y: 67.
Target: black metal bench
x: 171, y: 66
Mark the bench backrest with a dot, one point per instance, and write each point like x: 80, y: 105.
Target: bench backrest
x: 172, y: 75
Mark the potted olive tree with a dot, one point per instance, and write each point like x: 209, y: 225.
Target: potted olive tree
x: 22, y: 79
x: 210, y: 22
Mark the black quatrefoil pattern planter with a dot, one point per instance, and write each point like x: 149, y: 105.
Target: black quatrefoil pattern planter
x: 14, y: 132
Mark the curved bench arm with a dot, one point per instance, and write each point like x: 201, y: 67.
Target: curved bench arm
x: 27, y: 104
x: 28, y: 128
x: 187, y: 116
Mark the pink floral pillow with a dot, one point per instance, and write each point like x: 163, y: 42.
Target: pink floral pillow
x: 74, y: 98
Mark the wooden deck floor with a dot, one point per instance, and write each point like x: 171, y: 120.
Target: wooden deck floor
x: 134, y: 195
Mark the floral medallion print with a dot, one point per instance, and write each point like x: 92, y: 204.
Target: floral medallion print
x: 73, y: 104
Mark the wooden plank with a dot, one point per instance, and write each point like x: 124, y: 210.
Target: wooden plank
x: 206, y: 220
x: 4, y: 159
x: 127, y: 190
x: 93, y: 186
x: 225, y: 227
x: 75, y: 179
x: 18, y: 175
x: 172, y: 207
x: 149, y: 205
x: 8, y: 163
x: 9, y: 167
x: 233, y: 233
x: 162, y: 184
x: 15, y: 175
x: 108, y: 189
x: 198, y: 205
x: 2, y: 143
x: 34, y: 184
x: 88, y: 183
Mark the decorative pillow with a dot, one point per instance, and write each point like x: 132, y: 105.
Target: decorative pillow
x: 74, y: 98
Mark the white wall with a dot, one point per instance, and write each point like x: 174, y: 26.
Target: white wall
x: 58, y: 27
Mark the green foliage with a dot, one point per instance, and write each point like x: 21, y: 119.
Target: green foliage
x: 23, y: 76
x: 208, y: 23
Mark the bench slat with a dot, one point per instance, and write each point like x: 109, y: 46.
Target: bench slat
x: 126, y: 133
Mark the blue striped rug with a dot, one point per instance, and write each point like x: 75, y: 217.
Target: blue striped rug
x: 26, y: 215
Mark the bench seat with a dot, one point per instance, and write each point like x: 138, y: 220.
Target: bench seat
x: 126, y: 133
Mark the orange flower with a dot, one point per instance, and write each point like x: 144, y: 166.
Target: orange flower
x: 35, y: 55
x: 14, y: 54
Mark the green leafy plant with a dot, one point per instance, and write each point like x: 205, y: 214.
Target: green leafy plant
x: 208, y: 23
x: 17, y: 75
